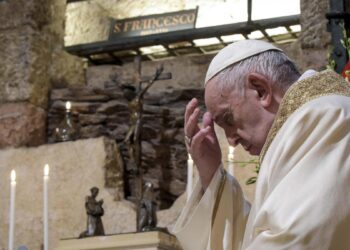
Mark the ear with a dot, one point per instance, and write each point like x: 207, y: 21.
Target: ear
x: 262, y: 88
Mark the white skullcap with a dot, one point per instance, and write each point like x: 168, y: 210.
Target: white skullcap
x: 234, y: 53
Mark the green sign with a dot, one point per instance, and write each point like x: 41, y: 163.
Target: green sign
x: 153, y: 24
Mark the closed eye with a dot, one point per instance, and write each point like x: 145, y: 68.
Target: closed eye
x: 228, y: 118
x: 225, y: 118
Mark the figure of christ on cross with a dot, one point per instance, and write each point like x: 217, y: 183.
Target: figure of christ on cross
x: 133, y: 136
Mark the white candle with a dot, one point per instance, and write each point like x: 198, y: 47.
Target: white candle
x: 46, y: 207
x: 230, y: 156
x: 12, y: 209
x: 189, y: 176
x: 68, y: 106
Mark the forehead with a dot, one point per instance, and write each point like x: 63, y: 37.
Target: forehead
x: 216, y: 98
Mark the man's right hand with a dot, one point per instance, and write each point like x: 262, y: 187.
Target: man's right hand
x: 204, y: 146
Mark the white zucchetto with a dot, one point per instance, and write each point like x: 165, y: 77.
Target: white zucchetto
x: 236, y: 52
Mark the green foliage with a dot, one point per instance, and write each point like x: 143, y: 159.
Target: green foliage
x: 346, y: 44
x: 255, y: 162
x: 251, y: 180
x: 345, y: 41
x: 331, y: 61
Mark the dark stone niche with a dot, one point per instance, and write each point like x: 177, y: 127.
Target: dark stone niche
x: 104, y: 112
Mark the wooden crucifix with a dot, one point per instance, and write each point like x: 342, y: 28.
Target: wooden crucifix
x: 133, y: 137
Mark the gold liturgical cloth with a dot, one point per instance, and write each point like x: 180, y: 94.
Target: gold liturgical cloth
x: 154, y: 240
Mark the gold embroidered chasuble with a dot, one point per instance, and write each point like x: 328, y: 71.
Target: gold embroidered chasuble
x: 301, y: 200
x: 322, y: 84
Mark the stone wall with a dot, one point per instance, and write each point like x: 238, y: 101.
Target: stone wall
x: 31, y: 38
x: 21, y: 124
x: 104, y: 112
x: 23, y: 73
x: 313, y: 44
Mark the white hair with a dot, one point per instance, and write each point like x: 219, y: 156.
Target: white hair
x: 274, y: 65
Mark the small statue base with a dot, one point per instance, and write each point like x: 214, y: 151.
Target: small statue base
x: 155, y: 240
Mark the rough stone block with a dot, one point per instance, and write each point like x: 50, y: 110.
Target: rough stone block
x: 32, y: 32
x: 91, y: 119
x: 106, y: 75
x: 35, y: 13
x: 21, y: 124
x: 24, y: 68
x: 86, y: 22
x: 308, y: 58
x: 91, y: 131
x: 313, y: 21
x: 66, y: 70
x: 113, y: 106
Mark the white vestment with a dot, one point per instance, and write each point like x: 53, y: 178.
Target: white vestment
x: 302, y: 198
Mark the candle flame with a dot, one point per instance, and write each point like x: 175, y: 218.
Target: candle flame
x: 189, y: 157
x: 68, y: 105
x: 46, y: 170
x: 13, y: 175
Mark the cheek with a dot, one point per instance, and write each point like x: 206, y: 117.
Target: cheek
x: 251, y: 122
x: 258, y: 139
x: 245, y: 135
x: 250, y: 131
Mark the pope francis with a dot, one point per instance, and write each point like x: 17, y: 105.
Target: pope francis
x: 299, y: 124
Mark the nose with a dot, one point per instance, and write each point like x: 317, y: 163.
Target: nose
x: 232, y: 141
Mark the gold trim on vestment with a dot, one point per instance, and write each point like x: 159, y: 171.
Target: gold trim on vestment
x: 324, y: 83
x: 218, y: 197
